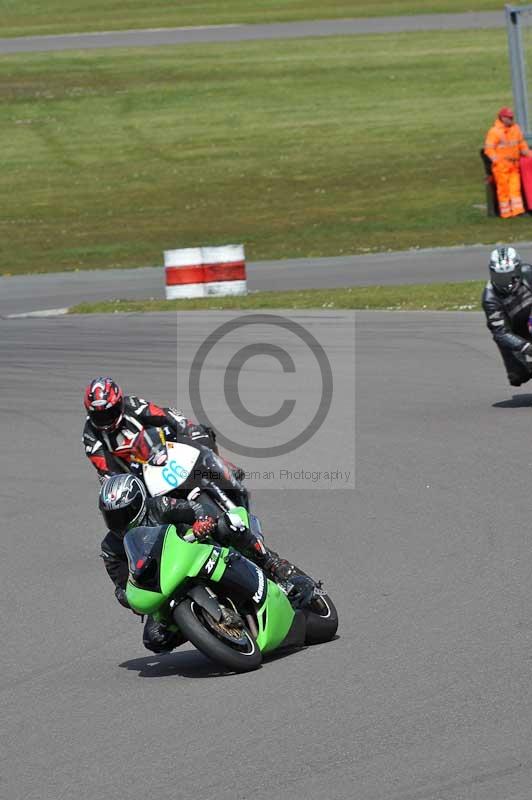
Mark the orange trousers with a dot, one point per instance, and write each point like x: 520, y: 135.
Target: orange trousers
x: 508, y: 183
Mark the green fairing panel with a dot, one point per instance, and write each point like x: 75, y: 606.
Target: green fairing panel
x: 275, y: 618
x: 142, y: 600
x: 180, y: 560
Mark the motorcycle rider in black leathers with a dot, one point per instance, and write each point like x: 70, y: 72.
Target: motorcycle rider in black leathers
x: 125, y: 505
x: 114, y: 420
x: 507, y: 303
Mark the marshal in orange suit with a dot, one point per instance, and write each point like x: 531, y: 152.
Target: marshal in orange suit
x: 504, y: 146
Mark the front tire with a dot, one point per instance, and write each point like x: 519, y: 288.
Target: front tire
x: 322, y: 620
x: 214, y: 640
x: 322, y: 616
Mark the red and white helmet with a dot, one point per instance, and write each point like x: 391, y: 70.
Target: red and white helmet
x: 104, y: 401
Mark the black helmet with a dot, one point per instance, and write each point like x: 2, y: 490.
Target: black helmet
x: 505, y: 269
x: 122, y: 502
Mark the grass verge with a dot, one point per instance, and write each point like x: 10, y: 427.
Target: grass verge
x: 310, y: 147
x: 416, y: 297
x: 39, y: 17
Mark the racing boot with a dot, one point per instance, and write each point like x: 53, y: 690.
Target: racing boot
x: 232, y: 530
x: 158, y: 637
x: 276, y: 567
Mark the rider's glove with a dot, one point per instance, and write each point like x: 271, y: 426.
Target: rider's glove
x: 204, y: 526
x: 120, y: 595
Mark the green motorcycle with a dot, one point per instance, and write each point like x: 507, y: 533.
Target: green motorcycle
x: 219, y: 600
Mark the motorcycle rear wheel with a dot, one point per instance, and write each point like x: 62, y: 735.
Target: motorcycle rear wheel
x: 231, y: 647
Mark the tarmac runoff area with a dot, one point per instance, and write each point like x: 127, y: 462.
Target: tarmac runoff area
x: 209, y: 34
x: 53, y: 293
x: 428, y: 556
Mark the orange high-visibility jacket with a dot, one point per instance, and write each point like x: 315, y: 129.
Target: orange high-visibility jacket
x: 504, y: 143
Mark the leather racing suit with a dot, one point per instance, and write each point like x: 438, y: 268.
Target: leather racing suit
x: 104, y: 448
x: 507, y: 318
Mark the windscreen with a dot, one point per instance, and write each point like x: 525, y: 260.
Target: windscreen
x: 140, y: 543
x: 149, y: 447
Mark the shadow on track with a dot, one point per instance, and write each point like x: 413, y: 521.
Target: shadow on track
x: 517, y: 401
x: 192, y: 664
x: 189, y: 665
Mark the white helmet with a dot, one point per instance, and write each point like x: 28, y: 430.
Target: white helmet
x: 505, y: 269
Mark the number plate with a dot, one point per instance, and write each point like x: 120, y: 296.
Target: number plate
x: 181, y: 460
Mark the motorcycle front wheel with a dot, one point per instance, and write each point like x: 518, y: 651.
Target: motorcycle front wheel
x: 322, y: 620
x: 229, y: 645
x: 321, y: 615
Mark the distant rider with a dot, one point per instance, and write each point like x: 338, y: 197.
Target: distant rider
x: 507, y: 302
x: 114, y: 420
x: 125, y: 505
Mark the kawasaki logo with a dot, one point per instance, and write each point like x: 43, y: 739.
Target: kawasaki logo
x: 259, y: 594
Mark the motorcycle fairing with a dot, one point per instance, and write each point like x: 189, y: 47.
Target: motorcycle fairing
x: 180, y: 462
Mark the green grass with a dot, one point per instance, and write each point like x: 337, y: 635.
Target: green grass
x: 38, y: 17
x: 302, y: 148
x: 435, y: 296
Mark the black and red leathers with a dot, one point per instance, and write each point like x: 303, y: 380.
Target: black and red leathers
x: 108, y: 450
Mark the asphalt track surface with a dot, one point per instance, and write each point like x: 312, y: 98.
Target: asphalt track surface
x: 240, y: 33
x: 425, y: 694
x: 28, y: 293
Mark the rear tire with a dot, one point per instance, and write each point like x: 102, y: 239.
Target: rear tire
x: 322, y: 620
x: 198, y: 626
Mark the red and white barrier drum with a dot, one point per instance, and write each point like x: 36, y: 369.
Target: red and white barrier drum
x: 184, y: 273
x: 205, y: 271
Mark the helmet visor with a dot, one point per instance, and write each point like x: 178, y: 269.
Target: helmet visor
x: 119, y: 520
x: 505, y: 281
x: 106, y: 418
